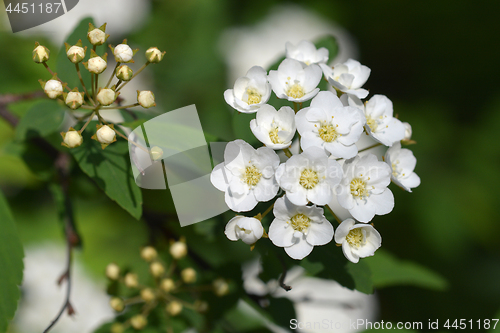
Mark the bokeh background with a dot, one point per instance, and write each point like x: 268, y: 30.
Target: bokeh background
x: 436, y: 60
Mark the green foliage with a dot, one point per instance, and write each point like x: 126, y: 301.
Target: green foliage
x: 42, y: 119
x: 11, y: 265
x: 387, y: 270
x: 111, y: 170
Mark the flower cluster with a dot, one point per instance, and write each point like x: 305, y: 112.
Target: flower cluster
x: 95, y: 99
x: 328, y: 169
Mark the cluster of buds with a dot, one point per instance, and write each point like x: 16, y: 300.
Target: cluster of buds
x: 94, y: 98
x: 168, y: 280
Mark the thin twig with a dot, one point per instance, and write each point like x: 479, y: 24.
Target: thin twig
x: 283, y: 275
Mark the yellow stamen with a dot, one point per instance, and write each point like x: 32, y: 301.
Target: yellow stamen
x: 252, y: 176
x: 358, y: 188
x: 355, y: 237
x: 309, y: 179
x: 300, y: 222
x: 295, y: 91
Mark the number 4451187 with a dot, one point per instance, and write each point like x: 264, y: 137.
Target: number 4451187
x: 462, y: 324
x: 25, y: 8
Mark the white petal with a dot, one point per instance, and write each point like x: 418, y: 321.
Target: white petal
x: 299, y: 250
x: 281, y: 233
x: 346, y: 248
x: 320, y: 233
x: 343, y: 230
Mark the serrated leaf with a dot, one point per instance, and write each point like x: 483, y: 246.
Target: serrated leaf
x: 111, y: 170
x: 42, y: 119
x: 387, y: 270
x: 11, y: 265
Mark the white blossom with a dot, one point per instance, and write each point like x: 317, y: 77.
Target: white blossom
x: 408, y: 131
x: 294, y: 83
x: 380, y: 124
x: 97, y: 65
x: 146, y: 98
x: 330, y: 125
x: 274, y: 128
x: 358, y: 240
x: 96, y: 36
x: 246, y: 175
x: 106, y: 96
x: 306, y: 53
x: 299, y: 228
x: 53, y: 88
x: 403, y: 163
x: 348, y: 77
x: 250, y: 92
x: 309, y: 176
x: 123, y: 53
x: 248, y: 229
x: 363, y: 189
x: 106, y: 135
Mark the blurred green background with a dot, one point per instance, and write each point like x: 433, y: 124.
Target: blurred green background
x: 436, y: 60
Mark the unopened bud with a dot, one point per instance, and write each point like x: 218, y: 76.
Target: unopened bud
x: 40, y: 53
x: 106, y: 96
x: 113, y: 271
x: 156, y: 153
x: 97, y: 36
x: 75, y: 54
x: 138, y: 322
x: 221, y: 287
x: 146, y: 98
x: 178, y: 250
x: 106, y: 135
x: 147, y: 294
x: 174, y: 308
x: 74, y: 99
x: 188, y: 275
x: 53, y: 88
x: 154, y: 55
x: 72, y: 139
x: 96, y: 65
x: 149, y: 253
x: 131, y: 280
x: 157, y: 269
x: 167, y: 285
x: 117, y: 304
x: 124, y: 73
x: 408, y: 132
x: 117, y: 328
x: 123, y: 53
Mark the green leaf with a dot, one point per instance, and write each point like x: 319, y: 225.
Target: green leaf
x: 42, y: 119
x: 65, y: 69
x: 387, y: 270
x: 111, y: 170
x: 11, y: 265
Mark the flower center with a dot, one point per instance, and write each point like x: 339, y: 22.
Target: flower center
x: 273, y: 135
x: 253, y: 96
x: 300, y: 222
x: 309, y: 179
x: 252, y: 175
x: 295, y: 91
x: 358, y: 188
x: 355, y: 237
x: 372, y: 123
x: 328, y: 133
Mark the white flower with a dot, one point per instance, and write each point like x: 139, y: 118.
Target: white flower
x: 146, y: 98
x: 250, y: 92
x: 309, y: 176
x: 299, y: 228
x: 402, y: 163
x: 76, y: 54
x: 274, y: 128
x: 348, y: 77
x: 106, y: 135
x: 97, y: 65
x: 358, y: 240
x: 306, y: 53
x: 106, y: 96
x: 246, y: 175
x: 123, y: 53
x: 248, y: 229
x: 363, y: 189
x: 380, y: 124
x: 53, y: 88
x: 330, y: 125
x: 294, y: 83
x: 408, y: 131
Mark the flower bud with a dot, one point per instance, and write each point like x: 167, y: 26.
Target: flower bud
x: 75, y: 54
x: 149, y: 253
x: 123, y: 53
x: 146, y: 98
x: 156, y: 153
x: 408, y: 132
x: 188, y: 275
x: 156, y: 269
x: 71, y: 139
x: 40, y: 53
x: 74, y: 99
x: 174, y: 308
x: 138, y: 322
x: 178, y: 250
x: 97, y: 36
x: 221, y: 287
x: 117, y: 328
x: 147, y: 295
x: 53, y: 88
x: 96, y: 65
x: 167, y: 285
x: 131, y: 280
x: 117, y: 304
x: 154, y: 55
x: 113, y: 271
x: 106, y: 135
x: 124, y: 73
x: 106, y: 96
